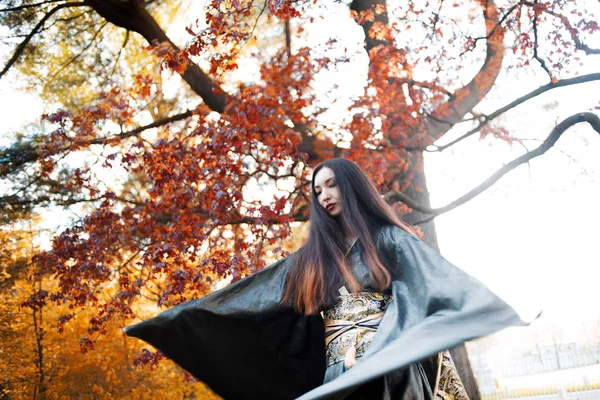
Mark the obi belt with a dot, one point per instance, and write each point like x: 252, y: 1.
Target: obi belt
x: 353, y: 322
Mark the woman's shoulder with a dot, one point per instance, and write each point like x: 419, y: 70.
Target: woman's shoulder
x: 390, y: 234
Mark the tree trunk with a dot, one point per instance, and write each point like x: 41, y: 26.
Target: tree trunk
x: 418, y: 191
x: 40, y: 387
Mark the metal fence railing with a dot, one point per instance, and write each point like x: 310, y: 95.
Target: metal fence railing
x: 552, y: 373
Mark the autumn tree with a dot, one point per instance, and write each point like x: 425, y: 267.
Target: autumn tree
x: 186, y: 214
x: 39, y: 362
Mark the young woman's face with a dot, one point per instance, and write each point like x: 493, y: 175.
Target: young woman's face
x: 328, y: 192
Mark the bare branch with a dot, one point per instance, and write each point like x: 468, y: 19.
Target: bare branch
x: 436, y: 19
x: 76, y: 56
x: 35, y: 30
x: 9, y: 164
x: 556, y: 133
x: 485, y: 119
x: 497, y: 26
x: 536, y: 45
x: 262, y: 10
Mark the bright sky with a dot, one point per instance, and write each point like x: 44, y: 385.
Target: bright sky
x: 533, y: 236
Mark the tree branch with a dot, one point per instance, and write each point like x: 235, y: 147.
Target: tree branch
x: 467, y: 97
x: 250, y: 220
x: 14, y: 201
x: 19, y: 50
x: 425, y: 85
x: 579, y: 45
x: 536, y: 45
x: 500, y: 22
x: 132, y: 15
x: 26, y: 6
x: 155, y: 124
x: 485, y: 119
x: 298, y: 217
x: 556, y: 133
x: 436, y: 20
x: 9, y: 164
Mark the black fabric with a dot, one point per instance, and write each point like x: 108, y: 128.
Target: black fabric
x: 241, y: 341
x: 245, y: 344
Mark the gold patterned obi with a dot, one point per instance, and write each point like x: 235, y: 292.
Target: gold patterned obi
x: 353, y: 322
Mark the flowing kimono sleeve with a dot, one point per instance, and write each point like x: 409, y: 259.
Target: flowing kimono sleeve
x: 242, y: 341
x: 436, y: 307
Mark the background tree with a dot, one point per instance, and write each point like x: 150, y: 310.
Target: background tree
x: 186, y: 215
x: 39, y: 362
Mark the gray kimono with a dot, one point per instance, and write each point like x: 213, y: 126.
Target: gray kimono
x: 245, y: 344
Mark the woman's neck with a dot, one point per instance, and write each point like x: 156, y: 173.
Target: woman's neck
x: 349, y: 237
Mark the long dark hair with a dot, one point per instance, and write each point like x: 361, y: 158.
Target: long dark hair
x: 320, y: 267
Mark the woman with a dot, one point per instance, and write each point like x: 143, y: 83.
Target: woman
x: 322, y: 275
x: 388, y: 301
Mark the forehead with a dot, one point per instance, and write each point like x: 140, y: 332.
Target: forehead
x: 323, y: 175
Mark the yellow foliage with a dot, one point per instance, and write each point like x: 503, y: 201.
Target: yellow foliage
x: 26, y: 338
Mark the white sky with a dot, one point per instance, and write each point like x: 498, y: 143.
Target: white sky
x: 533, y: 237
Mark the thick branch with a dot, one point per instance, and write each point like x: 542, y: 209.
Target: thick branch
x: 19, y: 50
x: 467, y: 97
x: 132, y: 16
x: 556, y: 133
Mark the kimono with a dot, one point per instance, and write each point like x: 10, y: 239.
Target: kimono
x: 244, y: 343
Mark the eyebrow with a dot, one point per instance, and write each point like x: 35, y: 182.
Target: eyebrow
x: 326, y: 181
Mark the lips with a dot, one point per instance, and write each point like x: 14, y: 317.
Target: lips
x: 330, y: 207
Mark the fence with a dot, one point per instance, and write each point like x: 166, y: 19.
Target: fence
x: 563, y: 372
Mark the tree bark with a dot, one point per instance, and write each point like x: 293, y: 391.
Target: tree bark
x: 461, y: 102
x: 379, y: 18
x: 442, y: 120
